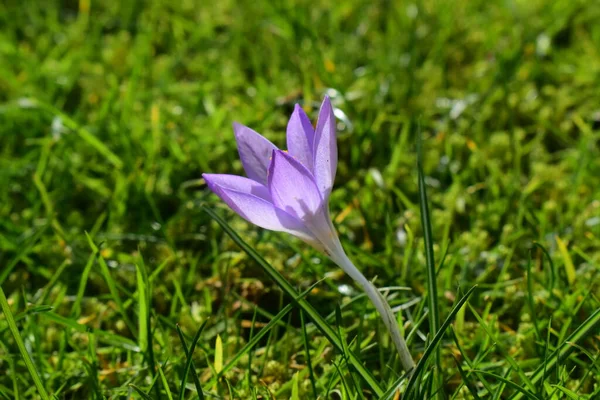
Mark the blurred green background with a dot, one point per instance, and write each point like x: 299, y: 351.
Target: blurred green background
x: 110, y: 112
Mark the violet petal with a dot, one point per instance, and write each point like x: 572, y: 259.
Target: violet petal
x: 300, y: 136
x: 255, y: 151
x: 292, y: 186
x: 325, y: 149
x: 255, y: 209
x: 237, y: 183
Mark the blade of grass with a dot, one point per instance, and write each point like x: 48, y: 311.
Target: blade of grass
x: 432, y: 298
x: 295, y: 389
x: 48, y: 205
x: 250, y: 353
x: 29, y: 311
x: 500, y: 388
x: 188, y: 363
x: 511, y: 384
x: 288, y: 289
x: 83, y: 133
x: 504, y: 351
x: 259, y: 310
x: 218, y: 354
x: 23, y: 250
x: 151, y: 279
x: 21, y: 345
x: 552, y: 268
x: 468, y: 360
x: 187, y: 354
x: 594, y: 360
x: 92, y: 366
x: 345, y: 391
x: 48, y: 287
x: 106, y: 337
x: 568, y: 392
x: 286, y: 387
x: 256, y: 338
x: 270, y: 340
x: 164, y: 381
x: 14, y: 393
x: 467, y: 381
x: 595, y: 394
x: 530, y: 300
x: 588, y: 327
x: 427, y: 387
x: 342, y: 335
x: 92, y: 381
x: 143, y: 307
x: 140, y: 392
x: 568, y: 262
x: 311, y: 373
x: 144, y: 328
x: 154, y: 386
x: 566, y: 323
x: 112, y: 287
x: 546, y: 347
x: 76, y: 309
x: 5, y: 395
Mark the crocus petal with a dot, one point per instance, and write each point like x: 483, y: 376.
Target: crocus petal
x: 300, y: 136
x: 237, y: 183
x: 255, y: 209
x: 292, y: 186
x: 255, y: 151
x: 325, y: 149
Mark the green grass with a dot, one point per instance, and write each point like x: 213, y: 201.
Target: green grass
x: 120, y: 269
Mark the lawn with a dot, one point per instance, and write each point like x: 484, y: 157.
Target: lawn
x: 124, y: 277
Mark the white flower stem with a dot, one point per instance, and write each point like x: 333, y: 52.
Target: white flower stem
x: 382, y: 306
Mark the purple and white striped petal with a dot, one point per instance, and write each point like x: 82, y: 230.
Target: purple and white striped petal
x: 325, y: 149
x: 300, y: 137
x: 255, y: 152
x: 293, y: 188
x: 254, y: 208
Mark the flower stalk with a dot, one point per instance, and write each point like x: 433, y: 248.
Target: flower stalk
x: 382, y: 307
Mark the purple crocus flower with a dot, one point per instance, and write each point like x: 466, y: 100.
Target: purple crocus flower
x: 289, y: 192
